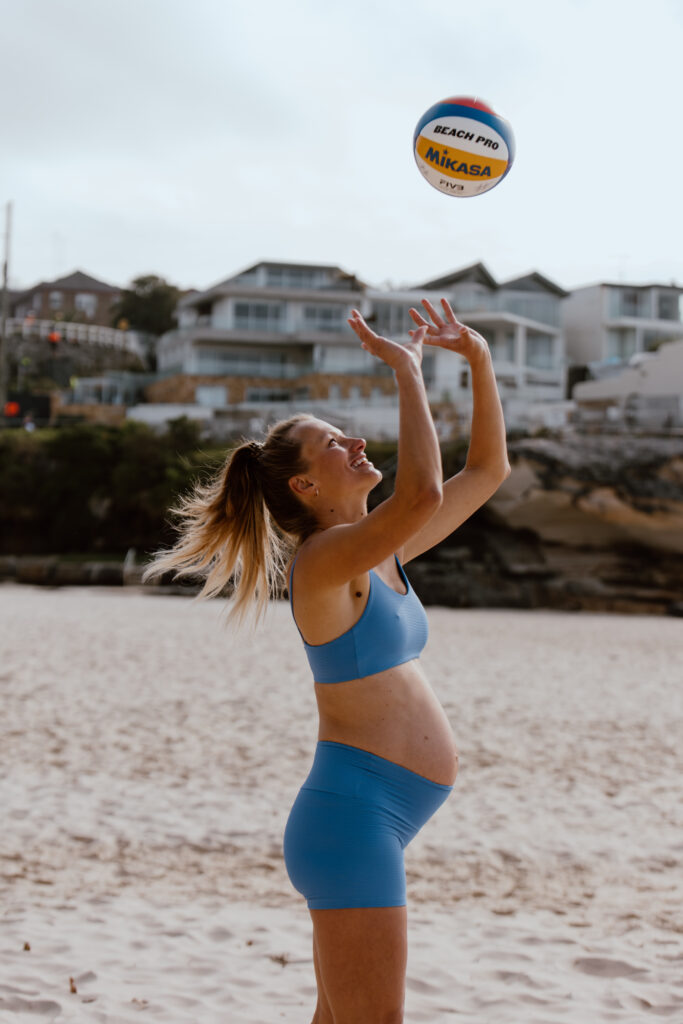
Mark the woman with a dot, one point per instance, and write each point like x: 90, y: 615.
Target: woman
x: 386, y: 758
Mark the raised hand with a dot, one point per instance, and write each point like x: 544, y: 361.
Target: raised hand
x: 447, y: 332
x: 390, y: 352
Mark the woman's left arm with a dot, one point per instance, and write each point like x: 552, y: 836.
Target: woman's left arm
x: 487, y: 463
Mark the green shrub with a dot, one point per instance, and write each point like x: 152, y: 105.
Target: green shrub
x: 89, y: 488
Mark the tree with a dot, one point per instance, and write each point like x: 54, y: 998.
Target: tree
x: 147, y: 306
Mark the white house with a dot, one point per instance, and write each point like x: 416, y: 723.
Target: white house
x: 609, y: 323
x: 276, y: 335
x: 648, y: 393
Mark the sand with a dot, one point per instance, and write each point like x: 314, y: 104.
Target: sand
x: 149, y: 757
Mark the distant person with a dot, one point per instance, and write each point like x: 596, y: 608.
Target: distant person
x: 386, y: 757
x: 28, y: 422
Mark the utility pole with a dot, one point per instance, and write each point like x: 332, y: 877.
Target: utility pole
x: 4, y: 310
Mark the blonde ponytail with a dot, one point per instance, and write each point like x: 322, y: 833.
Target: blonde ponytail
x: 243, y: 525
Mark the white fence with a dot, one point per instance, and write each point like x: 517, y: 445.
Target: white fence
x: 90, y: 334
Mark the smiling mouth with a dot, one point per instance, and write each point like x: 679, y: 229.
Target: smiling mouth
x: 362, y: 461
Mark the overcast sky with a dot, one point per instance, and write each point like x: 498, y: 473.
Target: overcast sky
x: 193, y: 138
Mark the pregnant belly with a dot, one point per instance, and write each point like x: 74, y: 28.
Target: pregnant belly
x: 394, y: 714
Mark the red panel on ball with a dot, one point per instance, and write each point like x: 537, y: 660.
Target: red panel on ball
x: 470, y: 101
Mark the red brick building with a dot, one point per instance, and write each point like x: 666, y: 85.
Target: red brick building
x: 74, y: 297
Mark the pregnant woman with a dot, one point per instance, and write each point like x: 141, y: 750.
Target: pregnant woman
x: 386, y: 758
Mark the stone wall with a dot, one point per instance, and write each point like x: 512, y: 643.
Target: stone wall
x: 182, y: 387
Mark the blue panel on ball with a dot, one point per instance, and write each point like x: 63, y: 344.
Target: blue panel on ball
x: 474, y: 114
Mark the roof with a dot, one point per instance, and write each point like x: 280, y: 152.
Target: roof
x: 76, y: 281
x: 671, y: 286
x: 532, y: 282
x: 215, y: 290
x: 475, y: 272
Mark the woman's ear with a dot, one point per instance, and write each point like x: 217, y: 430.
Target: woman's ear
x: 301, y: 486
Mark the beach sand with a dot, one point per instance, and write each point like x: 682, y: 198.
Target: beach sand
x: 149, y: 757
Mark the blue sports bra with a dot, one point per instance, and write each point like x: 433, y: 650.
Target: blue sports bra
x: 391, y: 630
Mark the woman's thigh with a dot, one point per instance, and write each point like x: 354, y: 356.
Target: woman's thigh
x: 362, y: 954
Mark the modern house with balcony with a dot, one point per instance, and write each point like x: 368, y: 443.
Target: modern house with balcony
x: 606, y: 324
x: 520, y: 319
x: 275, y: 337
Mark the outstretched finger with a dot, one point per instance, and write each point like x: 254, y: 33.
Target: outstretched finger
x: 436, y: 317
x: 358, y: 324
x: 417, y: 317
x: 448, y: 312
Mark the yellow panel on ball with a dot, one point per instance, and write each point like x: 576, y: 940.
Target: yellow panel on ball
x: 462, y: 147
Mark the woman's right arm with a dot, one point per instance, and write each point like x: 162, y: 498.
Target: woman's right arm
x: 342, y: 552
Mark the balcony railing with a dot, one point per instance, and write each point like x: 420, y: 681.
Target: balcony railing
x: 91, y: 334
x: 285, y: 371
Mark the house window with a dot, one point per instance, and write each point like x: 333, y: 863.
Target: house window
x: 324, y: 318
x: 503, y: 347
x: 291, y: 277
x: 392, y: 320
x: 211, y: 396
x: 259, y: 316
x: 631, y: 302
x: 533, y: 306
x: 86, y: 303
x: 263, y: 364
x: 428, y: 370
x: 56, y: 299
x: 539, y: 351
x: 346, y: 359
x: 621, y: 343
x: 668, y: 306
x: 267, y: 395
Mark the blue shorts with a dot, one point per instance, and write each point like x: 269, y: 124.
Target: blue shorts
x: 352, y: 819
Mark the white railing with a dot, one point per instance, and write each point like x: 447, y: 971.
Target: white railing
x: 91, y: 334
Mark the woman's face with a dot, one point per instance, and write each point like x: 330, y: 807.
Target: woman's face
x: 336, y: 464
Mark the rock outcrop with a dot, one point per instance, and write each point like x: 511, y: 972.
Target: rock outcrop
x: 582, y: 522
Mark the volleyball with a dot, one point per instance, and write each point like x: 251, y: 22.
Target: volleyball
x: 462, y: 147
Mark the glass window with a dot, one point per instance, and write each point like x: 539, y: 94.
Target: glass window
x: 539, y: 351
x: 621, y: 343
x: 324, y: 318
x: 629, y: 302
x: 503, y: 346
x: 213, y: 396
x: 470, y: 298
x: 267, y: 395
x: 392, y: 320
x: 538, y: 306
x: 428, y: 369
x: 56, y: 299
x: 291, y: 277
x: 346, y: 359
x: 668, y: 306
x: 259, y: 316
x: 264, y: 364
x: 86, y: 303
